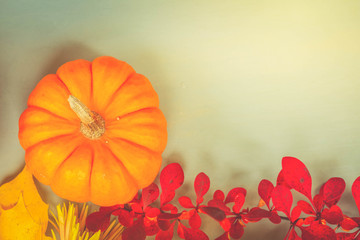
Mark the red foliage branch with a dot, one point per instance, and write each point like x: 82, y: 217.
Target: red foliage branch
x: 317, y: 218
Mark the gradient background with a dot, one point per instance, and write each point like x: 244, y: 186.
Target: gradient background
x: 242, y: 83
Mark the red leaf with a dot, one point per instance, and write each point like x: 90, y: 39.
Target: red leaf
x: 281, y: 180
x: 169, y: 207
x: 135, y: 232
x: 194, y: 234
x: 256, y: 214
x: 309, y: 220
x: 152, y: 212
x: 318, y: 202
x: 295, y: 213
x: 356, y: 192
x: 166, y: 196
x: 164, y: 225
x: 195, y: 220
x: 166, y: 234
x: 357, y: 220
x: 201, y: 185
x: 293, y: 235
x: 265, y: 189
x: 226, y: 223
x: 151, y: 227
x: 149, y: 194
x: 224, y: 236
x: 332, y: 191
x: 297, y: 176
x: 185, y: 215
x: 233, y: 193
x: 186, y: 202
x: 239, y: 202
x: 306, y: 207
x: 136, y: 207
x: 318, y: 231
x: 171, y: 177
x: 282, y: 199
x: 180, y: 230
x: 213, y: 212
x: 346, y: 236
x: 219, y: 195
x: 98, y: 221
x: 111, y: 208
x: 348, y: 224
x: 124, y: 217
x: 168, y: 216
x: 236, y: 230
x: 219, y: 204
x: 275, y: 218
x: 333, y: 215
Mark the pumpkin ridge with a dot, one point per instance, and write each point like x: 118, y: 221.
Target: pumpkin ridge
x: 62, y: 82
x: 137, y: 145
x: 133, y: 112
x: 41, y: 109
x: 118, y: 89
x: 49, y: 140
x: 122, y: 164
x: 62, y: 163
x: 34, y: 170
x: 153, y: 126
x: 91, y: 170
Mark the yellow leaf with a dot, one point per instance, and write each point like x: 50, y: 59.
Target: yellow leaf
x: 20, y: 196
x: 16, y: 223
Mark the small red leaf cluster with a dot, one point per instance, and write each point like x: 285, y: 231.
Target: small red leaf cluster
x: 319, y: 217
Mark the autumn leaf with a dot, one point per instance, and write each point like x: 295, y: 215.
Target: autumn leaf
x: 297, y: 176
x: 16, y: 223
x: 23, y: 214
x: 282, y: 199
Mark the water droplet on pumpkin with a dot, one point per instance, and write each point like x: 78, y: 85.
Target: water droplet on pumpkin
x: 118, y: 118
x: 106, y: 141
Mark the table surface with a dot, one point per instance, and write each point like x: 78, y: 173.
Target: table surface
x: 241, y: 83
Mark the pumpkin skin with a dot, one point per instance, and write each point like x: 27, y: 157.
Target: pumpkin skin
x: 107, y: 170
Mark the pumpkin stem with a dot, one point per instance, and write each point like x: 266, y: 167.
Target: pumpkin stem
x: 92, y: 125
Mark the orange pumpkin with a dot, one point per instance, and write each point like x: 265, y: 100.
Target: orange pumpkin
x: 94, y: 132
